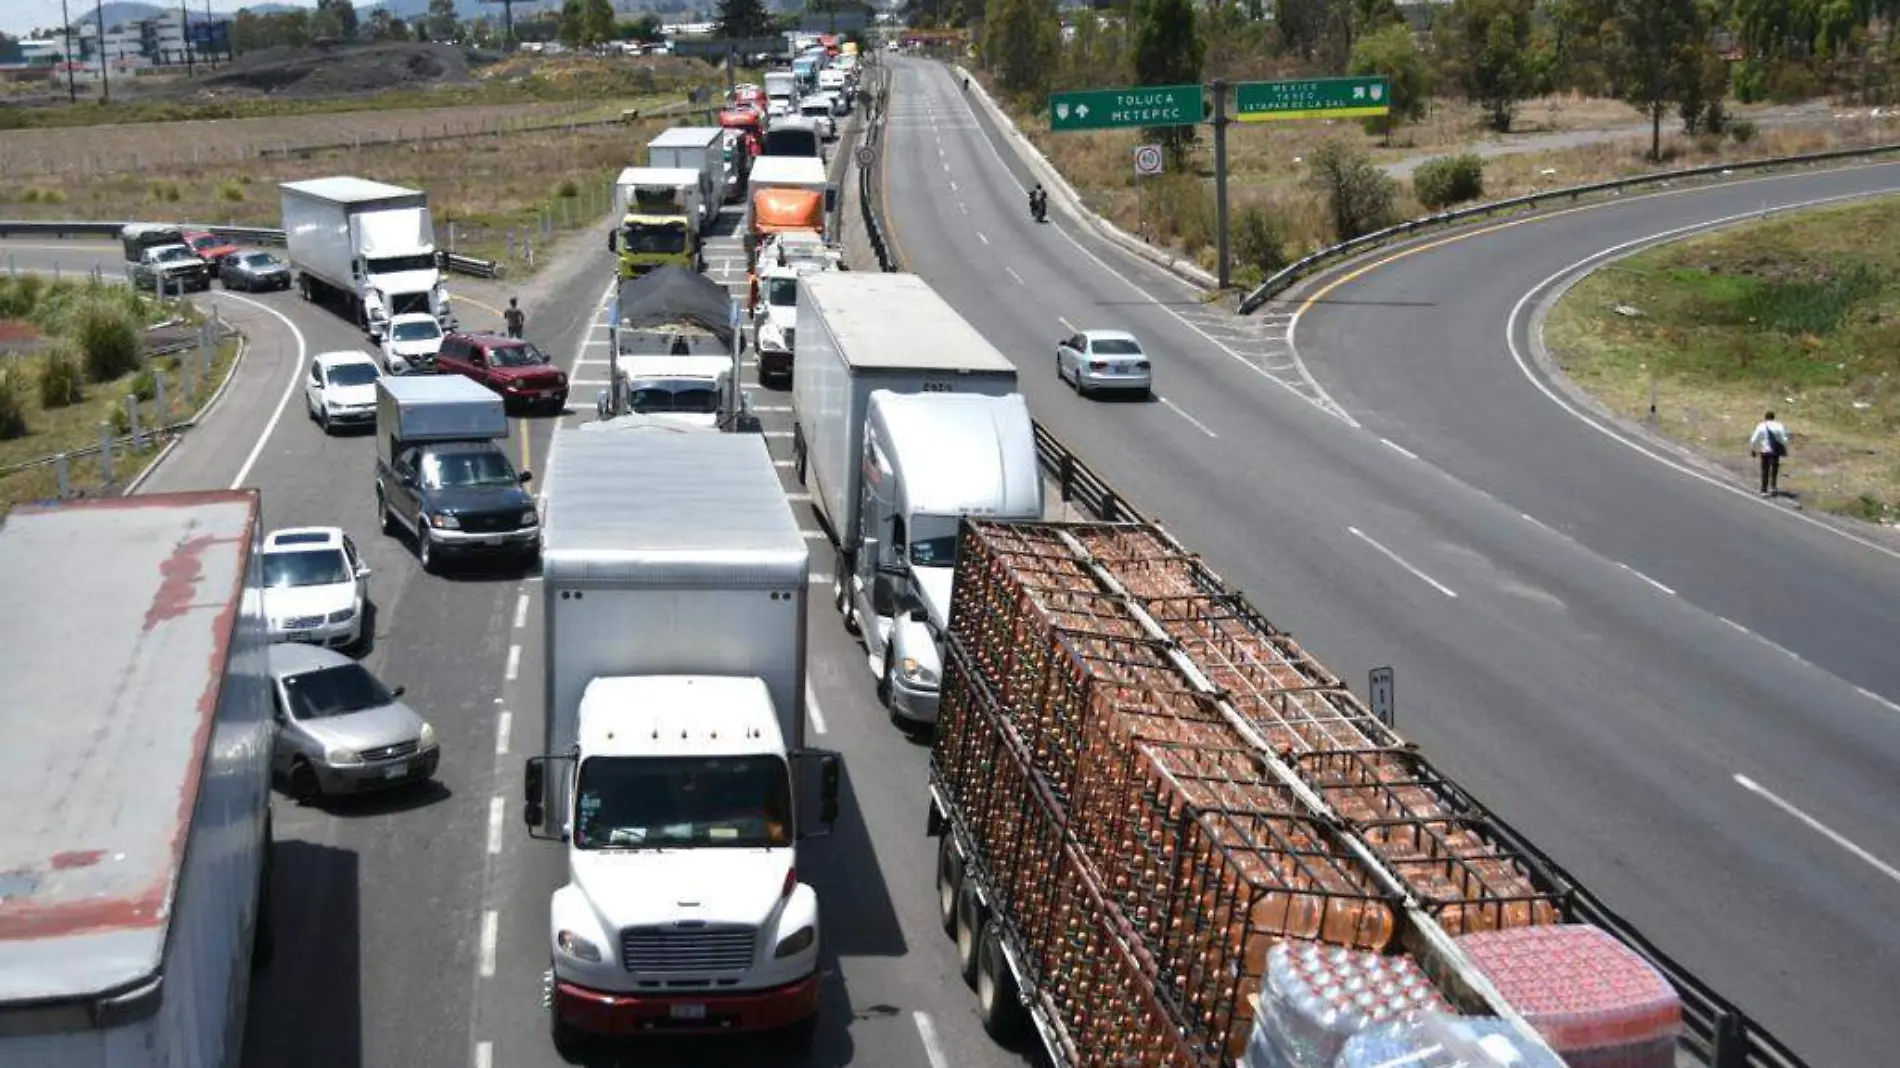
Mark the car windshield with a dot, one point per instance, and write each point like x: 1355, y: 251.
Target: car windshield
x: 447, y: 470
x: 692, y: 399
x: 521, y: 355
x: 260, y: 260
x: 305, y: 567
x: 741, y: 802
x: 354, y: 374
x: 176, y: 252
x: 334, y: 691
x: 933, y: 540
x: 1114, y: 346
x: 205, y: 242
x: 416, y: 331
x: 782, y: 292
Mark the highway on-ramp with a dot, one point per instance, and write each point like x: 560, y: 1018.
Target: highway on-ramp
x: 1723, y: 783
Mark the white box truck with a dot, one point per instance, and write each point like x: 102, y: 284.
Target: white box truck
x: 135, y: 778
x: 862, y: 333
x: 674, y: 766
x: 368, y: 244
x: 700, y: 149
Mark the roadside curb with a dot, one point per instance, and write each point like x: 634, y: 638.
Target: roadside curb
x: 179, y: 429
x: 1051, y: 178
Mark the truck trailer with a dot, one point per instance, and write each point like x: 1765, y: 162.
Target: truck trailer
x: 700, y: 149
x: 135, y: 778
x: 674, y: 738
x: 369, y: 244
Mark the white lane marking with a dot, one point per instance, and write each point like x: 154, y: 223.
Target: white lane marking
x: 1178, y: 410
x: 1876, y: 698
x: 814, y: 535
x: 1399, y: 560
x: 491, y: 929
x: 799, y: 497
x: 1407, y: 453
x: 502, y: 724
x: 771, y: 408
x: 1646, y: 578
x: 980, y: 236
x: 521, y: 609
x: 1830, y: 833
x: 591, y: 343
x: 514, y: 662
x: 1066, y: 325
x: 1733, y: 624
x: 781, y: 463
x: 290, y: 387
x: 496, y: 810
x: 484, y: 1054
x: 1616, y: 252
x: 1012, y: 273
x: 820, y: 577
x: 812, y: 711
x: 586, y: 381
x: 775, y: 433
x: 953, y: 186
x: 927, y: 1034
x: 965, y: 208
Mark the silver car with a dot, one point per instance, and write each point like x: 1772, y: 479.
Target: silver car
x: 1104, y: 360
x: 341, y: 731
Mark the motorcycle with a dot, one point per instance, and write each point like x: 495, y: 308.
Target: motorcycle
x: 1039, y: 207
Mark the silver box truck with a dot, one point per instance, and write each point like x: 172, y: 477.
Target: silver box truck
x: 135, y: 778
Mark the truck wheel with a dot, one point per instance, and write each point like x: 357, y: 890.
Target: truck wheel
x: 799, y: 1037
x: 569, y: 1042
x: 969, y: 930
x: 264, y: 936
x: 949, y: 882
x: 997, y: 1003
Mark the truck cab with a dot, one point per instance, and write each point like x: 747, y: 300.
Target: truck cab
x: 783, y: 258
x: 691, y: 390
x: 660, y: 221
x: 930, y: 459
x: 781, y: 93
x: 442, y: 475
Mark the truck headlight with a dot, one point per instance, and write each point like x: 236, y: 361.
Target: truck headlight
x: 445, y: 521
x: 797, y: 942
x: 426, y: 736
x: 577, y: 947
x: 916, y: 673
x: 336, y: 754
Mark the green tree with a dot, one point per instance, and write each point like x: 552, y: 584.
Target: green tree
x: 1390, y: 51
x: 645, y: 29
x: 386, y: 27
x: 743, y: 18
x: 598, y: 24
x: 1486, y: 45
x: 482, y: 31
x: 339, y: 18
x: 1358, y: 194
x: 1021, y: 42
x: 1168, y: 50
x: 1653, y: 43
x: 442, y: 23
x: 251, y: 31
x: 573, y: 27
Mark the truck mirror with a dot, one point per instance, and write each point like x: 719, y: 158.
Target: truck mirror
x: 536, y: 781
x: 828, y: 790
x: 398, y: 691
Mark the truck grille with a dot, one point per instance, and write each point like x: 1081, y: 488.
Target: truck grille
x: 491, y: 523
x: 696, y: 950
x: 390, y: 752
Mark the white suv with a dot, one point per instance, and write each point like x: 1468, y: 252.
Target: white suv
x: 340, y: 389
x: 315, y: 586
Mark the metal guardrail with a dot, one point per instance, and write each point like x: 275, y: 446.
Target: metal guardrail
x: 1716, y: 1032
x: 1294, y: 272
x: 250, y: 235
x: 867, y: 187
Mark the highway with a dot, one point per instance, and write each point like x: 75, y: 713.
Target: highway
x: 1705, y: 737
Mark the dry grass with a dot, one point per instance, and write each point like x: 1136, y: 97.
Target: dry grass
x: 1801, y: 315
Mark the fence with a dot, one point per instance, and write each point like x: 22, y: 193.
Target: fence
x: 249, y: 235
x: 867, y: 184
x: 1287, y: 276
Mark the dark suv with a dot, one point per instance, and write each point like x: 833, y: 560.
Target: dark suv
x: 522, y: 374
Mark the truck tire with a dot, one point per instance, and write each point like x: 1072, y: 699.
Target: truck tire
x: 997, y: 1003
x: 949, y: 882
x: 264, y: 935
x: 569, y: 1042
x: 799, y: 1038
x: 970, y: 924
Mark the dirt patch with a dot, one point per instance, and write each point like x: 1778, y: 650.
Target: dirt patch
x: 336, y: 70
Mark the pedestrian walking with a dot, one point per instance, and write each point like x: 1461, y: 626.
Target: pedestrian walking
x: 515, y: 316
x: 1770, y: 443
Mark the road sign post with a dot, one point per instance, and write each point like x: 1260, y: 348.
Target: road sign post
x: 1379, y: 684
x: 1147, y: 165
x: 1223, y: 268
x: 1313, y: 98
x: 1116, y: 109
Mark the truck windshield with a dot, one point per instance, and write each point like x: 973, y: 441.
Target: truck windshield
x: 740, y: 802
x: 421, y: 261
x: 782, y: 292
x: 933, y: 540
x: 173, y: 254
x: 662, y: 240
x: 446, y: 470
x: 693, y: 399
x: 791, y: 142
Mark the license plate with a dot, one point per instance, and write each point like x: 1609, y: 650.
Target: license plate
x: 302, y: 636
x: 396, y: 771
x: 690, y: 1011
x: 491, y: 539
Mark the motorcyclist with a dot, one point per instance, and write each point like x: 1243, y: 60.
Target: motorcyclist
x: 1038, y: 201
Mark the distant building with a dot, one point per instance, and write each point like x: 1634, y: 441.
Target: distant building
x: 166, y: 40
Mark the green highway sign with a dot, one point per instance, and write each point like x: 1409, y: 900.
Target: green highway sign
x: 1109, y: 109
x: 1312, y: 98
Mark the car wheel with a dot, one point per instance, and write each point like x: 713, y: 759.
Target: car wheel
x: 425, y: 545
x: 305, y: 787
x: 383, y: 513
x: 323, y: 420
x: 1060, y: 377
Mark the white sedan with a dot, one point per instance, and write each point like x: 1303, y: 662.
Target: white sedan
x: 339, y: 389
x: 412, y: 343
x: 1104, y: 360
x: 315, y: 586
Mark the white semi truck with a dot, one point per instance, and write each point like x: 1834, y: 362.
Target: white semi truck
x: 905, y: 420
x: 675, y: 769
x: 135, y: 778
x: 368, y: 244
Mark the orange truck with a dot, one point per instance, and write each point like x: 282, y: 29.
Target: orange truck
x: 786, y: 193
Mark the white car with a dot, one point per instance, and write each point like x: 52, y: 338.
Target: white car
x: 315, y: 586
x: 340, y: 389
x: 1102, y: 360
x: 412, y: 342
x: 816, y: 109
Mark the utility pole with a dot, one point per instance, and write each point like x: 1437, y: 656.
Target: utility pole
x: 105, y: 86
x: 72, y: 75
x: 1223, y: 277
x: 184, y: 30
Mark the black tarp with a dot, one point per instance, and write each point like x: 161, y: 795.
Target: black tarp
x: 673, y: 294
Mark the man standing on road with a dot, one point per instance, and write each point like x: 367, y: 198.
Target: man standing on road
x: 515, y: 316
x: 1770, y: 442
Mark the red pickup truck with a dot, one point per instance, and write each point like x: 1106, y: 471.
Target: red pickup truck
x: 514, y: 368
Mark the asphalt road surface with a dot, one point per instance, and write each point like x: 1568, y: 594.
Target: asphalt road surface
x: 1660, y: 682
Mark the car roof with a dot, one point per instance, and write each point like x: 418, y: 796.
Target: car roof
x: 295, y: 658
x: 344, y: 356
x: 1110, y: 335
x: 486, y: 338
x: 292, y: 539
x: 412, y: 317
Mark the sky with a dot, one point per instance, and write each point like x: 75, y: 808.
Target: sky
x: 19, y: 17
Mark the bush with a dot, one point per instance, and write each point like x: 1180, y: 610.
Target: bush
x: 12, y: 404
x: 109, y: 340
x: 144, y: 385
x: 231, y: 190
x: 61, y: 381
x: 165, y: 192
x: 1440, y: 183
x: 1792, y: 83
x: 20, y: 296
x: 568, y: 189
x: 1358, y: 194
x: 1259, y: 239
x: 1742, y: 130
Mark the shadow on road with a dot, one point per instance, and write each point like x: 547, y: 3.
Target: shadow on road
x: 305, y: 1008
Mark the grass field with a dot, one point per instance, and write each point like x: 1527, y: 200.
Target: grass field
x: 1801, y: 315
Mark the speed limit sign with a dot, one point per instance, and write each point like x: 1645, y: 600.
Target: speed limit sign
x: 1147, y: 159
